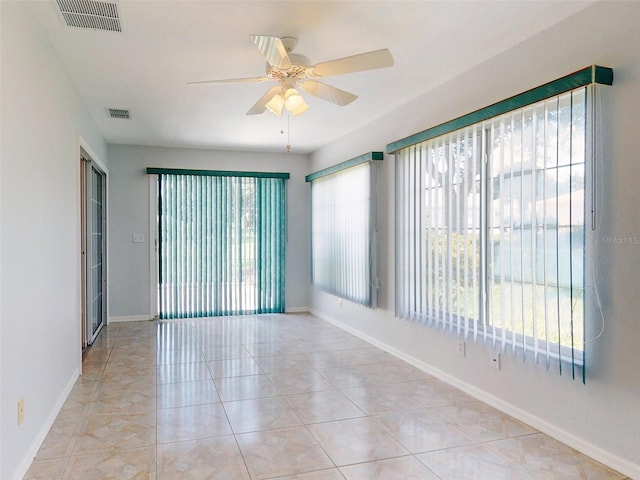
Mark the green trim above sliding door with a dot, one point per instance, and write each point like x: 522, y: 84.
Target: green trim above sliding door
x: 344, y: 165
x: 581, y: 78
x: 214, y: 173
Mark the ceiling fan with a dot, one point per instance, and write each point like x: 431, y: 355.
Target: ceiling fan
x: 292, y: 69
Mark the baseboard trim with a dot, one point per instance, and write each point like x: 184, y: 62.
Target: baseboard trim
x: 144, y: 318
x: 605, y: 457
x: 131, y: 318
x: 296, y: 310
x: 32, y: 451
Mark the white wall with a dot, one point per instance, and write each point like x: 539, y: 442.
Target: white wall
x: 602, y: 417
x: 129, y: 279
x: 40, y: 345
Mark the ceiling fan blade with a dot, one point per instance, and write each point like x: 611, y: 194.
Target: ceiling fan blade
x: 274, y: 50
x: 261, y: 105
x: 328, y: 93
x: 356, y: 63
x: 231, y: 80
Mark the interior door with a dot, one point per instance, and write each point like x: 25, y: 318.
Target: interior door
x: 94, y: 249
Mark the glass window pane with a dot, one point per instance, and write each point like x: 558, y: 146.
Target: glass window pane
x: 511, y: 230
x: 341, y: 233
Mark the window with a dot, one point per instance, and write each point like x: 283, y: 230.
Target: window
x: 535, y: 222
x: 342, y: 229
x: 221, y: 243
x: 490, y: 228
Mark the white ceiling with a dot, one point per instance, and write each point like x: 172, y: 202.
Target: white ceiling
x: 165, y: 44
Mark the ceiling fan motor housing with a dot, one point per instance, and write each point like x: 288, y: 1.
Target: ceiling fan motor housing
x: 298, y: 69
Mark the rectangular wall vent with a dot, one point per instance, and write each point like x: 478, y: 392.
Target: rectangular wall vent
x: 118, y: 113
x: 91, y: 14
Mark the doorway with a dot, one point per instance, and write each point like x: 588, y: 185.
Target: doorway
x: 94, y: 272
x: 221, y: 242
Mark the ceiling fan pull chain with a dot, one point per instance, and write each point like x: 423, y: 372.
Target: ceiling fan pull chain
x: 288, y: 132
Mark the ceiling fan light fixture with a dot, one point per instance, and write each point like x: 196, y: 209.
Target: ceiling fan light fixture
x: 276, y: 104
x: 290, y: 92
x: 294, y: 102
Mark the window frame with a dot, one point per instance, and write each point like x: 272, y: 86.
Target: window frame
x: 486, y: 328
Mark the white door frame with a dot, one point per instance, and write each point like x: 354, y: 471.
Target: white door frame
x: 153, y: 246
x: 89, y: 157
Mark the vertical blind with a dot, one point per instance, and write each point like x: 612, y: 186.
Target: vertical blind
x: 342, y: 231
x: 438, y: 231
x: 221, y: 244
x: 490, y: 230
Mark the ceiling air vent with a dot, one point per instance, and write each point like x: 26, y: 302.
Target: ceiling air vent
x: 118, y: 113
x: 91, y: 14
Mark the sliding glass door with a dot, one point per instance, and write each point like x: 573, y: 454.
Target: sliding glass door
x: 93, y: 249
x: 221, y: 243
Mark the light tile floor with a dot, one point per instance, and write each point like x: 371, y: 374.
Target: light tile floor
x: 280, y: 396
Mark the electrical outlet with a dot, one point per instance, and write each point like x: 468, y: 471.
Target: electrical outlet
x: 495, y: 360
x: 462, y: 348
x: 20, y: 411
